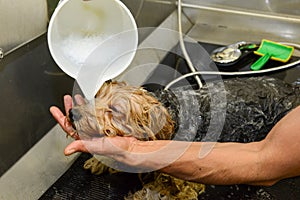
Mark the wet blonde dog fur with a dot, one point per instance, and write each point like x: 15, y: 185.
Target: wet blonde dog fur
x: 122, y: 110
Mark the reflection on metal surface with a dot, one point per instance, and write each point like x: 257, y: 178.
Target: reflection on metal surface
x: 37, y: 159
x: 231, y: 53
x: 241, y: 12
x: 225, y: 28
x: 270, y: 7
x: 226, y: 54
x: 154, y: 40
x: 18, y: 25
x: 1, y: 53
x: 150, y: 13
x: 26, y: 88
x: 290, y: 7
x: 38, y: 169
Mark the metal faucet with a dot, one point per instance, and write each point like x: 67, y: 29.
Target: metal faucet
x: 1, y: 53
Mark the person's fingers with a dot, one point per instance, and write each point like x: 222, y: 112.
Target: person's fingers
x: 76, y: 146
x: 62, y: 121
x: 96, y: 145
x: 57, y: 114
x: 102, y: 146
x: 73, y: 134
x: 68, y: 103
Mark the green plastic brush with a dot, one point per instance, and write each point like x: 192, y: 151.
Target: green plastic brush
x: 272, y: 50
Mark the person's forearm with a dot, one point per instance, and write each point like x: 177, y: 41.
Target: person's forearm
x: 263, y: 163
x: 226, y: 163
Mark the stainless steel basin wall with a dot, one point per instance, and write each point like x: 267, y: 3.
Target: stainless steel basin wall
x: 150, y: 13
x: 21, y: 21
x: 224, y: 22
x: 289, y: 7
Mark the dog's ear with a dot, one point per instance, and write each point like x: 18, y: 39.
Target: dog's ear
x: 131, y: 111
x: 120, y: 113
x: 161, y: 122
x: 139, y: 114
x: 114, y: 125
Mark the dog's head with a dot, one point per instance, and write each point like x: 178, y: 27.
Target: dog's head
x: 122, y: 110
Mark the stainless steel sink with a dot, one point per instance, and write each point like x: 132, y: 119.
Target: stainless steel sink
x: 32, y: 145
x: 222, y: 22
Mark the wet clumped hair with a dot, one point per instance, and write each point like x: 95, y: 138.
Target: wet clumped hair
x: 123, y: 110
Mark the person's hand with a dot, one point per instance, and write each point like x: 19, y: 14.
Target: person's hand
x: 109, y: 146
x: 62, y: 119
x: 129, y: 153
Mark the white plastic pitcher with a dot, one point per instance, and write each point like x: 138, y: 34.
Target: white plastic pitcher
x: 86, y: 36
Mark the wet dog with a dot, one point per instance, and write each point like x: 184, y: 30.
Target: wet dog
x: 251, y: 107
x: 122, y: 110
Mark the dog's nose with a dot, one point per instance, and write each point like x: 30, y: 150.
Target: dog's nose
x: 74, y: 115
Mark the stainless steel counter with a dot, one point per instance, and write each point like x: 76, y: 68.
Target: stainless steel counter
x: 30, y: 82
x: 31, y: 149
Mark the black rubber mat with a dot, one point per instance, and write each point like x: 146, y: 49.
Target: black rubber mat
x: 79, y: 184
